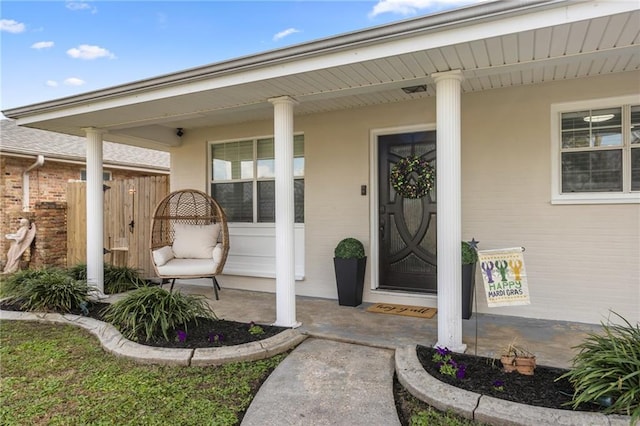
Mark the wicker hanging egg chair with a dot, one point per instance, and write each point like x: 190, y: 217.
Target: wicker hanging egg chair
x: 189, y: 237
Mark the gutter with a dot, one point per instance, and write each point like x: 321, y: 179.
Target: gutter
x: 148, y: 168
x: 25, y: 182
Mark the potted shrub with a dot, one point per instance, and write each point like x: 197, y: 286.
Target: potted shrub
x: 469, y: 260
x: 350, y: 263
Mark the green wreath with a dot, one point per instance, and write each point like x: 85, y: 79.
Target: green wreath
x: 403, y: 180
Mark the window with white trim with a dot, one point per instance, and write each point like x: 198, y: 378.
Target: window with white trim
x: 243, y: 179
x: 596, y: 145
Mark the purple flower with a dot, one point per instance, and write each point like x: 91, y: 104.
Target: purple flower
x: 182, y: 336
x: 498, y: 385
x: 442, y: 351
x: 461, y: 371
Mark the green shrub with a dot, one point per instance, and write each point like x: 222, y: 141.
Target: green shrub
x: 608, y: 366
x: 469, y: 254
x: 155, y: 312
x: 349, y: 248
x: 48, y: 289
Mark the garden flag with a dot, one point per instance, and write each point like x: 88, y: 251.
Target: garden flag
x: 504, y: 277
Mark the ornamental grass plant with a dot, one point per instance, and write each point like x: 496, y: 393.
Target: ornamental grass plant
x: 13, y: 284
x: 46, y: 289
x: 153, y: 312
x: 117, y: 279
x: 607, y: 369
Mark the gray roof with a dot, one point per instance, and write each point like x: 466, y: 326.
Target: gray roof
x: 16, y: 139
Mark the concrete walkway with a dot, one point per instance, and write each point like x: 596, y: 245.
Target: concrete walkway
x: 324, y: 382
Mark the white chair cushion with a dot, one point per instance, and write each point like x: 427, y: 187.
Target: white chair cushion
x: 195, y: 241
x: 162, y: 255
x: 188, y: 268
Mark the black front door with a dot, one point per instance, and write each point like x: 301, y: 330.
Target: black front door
x: 407, y: 224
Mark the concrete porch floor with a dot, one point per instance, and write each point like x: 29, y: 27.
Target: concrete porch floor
x: 551, y: 341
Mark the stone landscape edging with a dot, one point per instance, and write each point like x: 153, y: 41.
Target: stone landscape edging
x: 114, y: 343
x: 412, y: 375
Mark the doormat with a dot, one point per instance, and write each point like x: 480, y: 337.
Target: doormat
x: 405, y: 310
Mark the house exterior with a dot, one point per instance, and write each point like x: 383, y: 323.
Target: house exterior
x: 36, y: 167
x: 529, y: 111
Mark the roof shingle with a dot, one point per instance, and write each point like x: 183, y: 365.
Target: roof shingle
x: 24, y: 140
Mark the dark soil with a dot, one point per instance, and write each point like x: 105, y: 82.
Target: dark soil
x: 484, y: 374
x: 203, y: 334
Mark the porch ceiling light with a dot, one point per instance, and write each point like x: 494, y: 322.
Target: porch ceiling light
x: 415, y: 89
x: 598, y: 118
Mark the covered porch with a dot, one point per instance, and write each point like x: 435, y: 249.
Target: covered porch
x: 490, y: 74
x: 551, y: 341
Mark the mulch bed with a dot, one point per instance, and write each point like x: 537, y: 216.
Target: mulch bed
x: 198, y: 335
x: 541, y: 389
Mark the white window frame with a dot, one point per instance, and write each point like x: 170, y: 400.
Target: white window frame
x: 255, y: 179
x: 626, y: 196
x: 252, y: 247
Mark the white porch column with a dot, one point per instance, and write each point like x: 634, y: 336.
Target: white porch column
x: 285, y: 251
x: 449, y: 210
x: 95, y: 211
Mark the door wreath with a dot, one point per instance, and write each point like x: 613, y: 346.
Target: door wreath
x: 412, y: 177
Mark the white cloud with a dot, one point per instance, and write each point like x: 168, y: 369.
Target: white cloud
x: 42, y: 45
x: 80, y: 5
x: 74, y: 81
x: 411, y: 7
x: 85, y: 51
x: 283, y: 34
x: 11, y: 26
x: 52, y: 83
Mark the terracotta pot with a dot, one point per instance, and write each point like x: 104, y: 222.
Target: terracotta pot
x: 508, y: 362
x: 525, y: 365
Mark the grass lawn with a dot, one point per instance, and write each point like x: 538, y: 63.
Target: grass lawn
x: 52, y: 374
x: 59, y: 375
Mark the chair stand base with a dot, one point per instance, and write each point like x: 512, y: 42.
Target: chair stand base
x: 216, y: 286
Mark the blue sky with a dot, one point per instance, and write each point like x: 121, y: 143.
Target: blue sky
x: 52, y: 49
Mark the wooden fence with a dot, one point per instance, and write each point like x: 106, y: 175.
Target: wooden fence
x: 128, y: 208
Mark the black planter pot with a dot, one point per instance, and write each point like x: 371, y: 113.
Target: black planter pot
x: 468, y: 289
x: 350, y: 280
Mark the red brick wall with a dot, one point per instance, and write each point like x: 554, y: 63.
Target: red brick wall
x: 47, y: 203
x: 51, y: 235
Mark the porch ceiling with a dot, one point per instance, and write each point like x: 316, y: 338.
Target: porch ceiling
x: 352, y: 75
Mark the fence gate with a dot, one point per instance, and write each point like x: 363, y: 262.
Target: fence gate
x: 128, y: 207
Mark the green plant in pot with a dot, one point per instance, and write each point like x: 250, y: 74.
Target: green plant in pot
x: 469, y: 260
x: 350, y: 264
